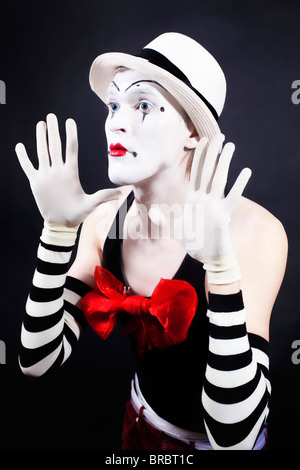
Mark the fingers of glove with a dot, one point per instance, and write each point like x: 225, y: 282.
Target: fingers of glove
x: 210, y: 162
x: 42, y: 145
x: 221, y: 174
x: 54, y: 140
x: 103, y: 195
x: 238, y: 188
x: 198, y: 164
x: 71, y: 143
x: 24, y: 161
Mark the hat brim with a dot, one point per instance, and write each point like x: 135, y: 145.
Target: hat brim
x: 105, y: 66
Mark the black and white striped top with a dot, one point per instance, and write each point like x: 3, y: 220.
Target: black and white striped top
x: 236, y: 387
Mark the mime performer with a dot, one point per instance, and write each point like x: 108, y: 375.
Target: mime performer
x: 190, y: 268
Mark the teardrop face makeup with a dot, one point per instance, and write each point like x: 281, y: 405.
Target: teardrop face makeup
x: 146, y: 129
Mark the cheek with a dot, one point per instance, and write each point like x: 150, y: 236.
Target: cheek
x: 175, y: 132
x: 163, y: 132
x: 105, y: 127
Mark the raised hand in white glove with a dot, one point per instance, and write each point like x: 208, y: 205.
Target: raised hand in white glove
x: 55, y: 184
x: 203, y: 228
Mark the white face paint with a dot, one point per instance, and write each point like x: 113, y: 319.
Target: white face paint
x: 146, y: 129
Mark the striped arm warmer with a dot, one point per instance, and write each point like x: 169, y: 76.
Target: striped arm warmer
x: 53, y: 321
x: 236, y: 389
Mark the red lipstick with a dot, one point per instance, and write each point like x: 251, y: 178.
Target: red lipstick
x: 117, y: 150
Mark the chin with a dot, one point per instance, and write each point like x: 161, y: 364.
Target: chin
x: 124, y: 176
x: 120, y: 179
x: 128, y: 172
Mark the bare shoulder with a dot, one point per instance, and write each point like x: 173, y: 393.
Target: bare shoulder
x: 254, y: 225
x: 261, y: 245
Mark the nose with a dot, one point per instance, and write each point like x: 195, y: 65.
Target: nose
x: 118, y: 122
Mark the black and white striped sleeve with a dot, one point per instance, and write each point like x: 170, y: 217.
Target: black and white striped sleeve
x: 53, y: 319
x: 236, y: 389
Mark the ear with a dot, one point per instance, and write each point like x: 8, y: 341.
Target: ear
x: 193, y: 137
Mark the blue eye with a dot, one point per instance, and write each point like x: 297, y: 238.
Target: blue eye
x: 113, y: 107
x: 145, y: 107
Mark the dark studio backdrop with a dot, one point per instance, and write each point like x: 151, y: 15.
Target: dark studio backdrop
x: 46, y: 49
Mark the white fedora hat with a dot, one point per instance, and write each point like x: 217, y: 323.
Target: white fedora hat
x: 182, y: 66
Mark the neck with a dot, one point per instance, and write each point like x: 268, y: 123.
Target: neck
x: 168, y: 187
x: 167, y: 190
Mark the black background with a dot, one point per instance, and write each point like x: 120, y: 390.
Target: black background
x: 46, y: 49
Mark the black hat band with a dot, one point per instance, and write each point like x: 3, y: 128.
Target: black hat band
x: 156, y: 58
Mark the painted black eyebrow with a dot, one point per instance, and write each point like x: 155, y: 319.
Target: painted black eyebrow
x: 139, y: 81
x: 114, y: 83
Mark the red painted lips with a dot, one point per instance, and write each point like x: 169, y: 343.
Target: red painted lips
x: 117, y: 150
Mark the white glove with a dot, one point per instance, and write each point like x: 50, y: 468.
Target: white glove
x: 55, y: 184
x: 203, y: 228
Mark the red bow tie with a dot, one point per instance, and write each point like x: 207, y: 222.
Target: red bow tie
x: 161, y: 321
